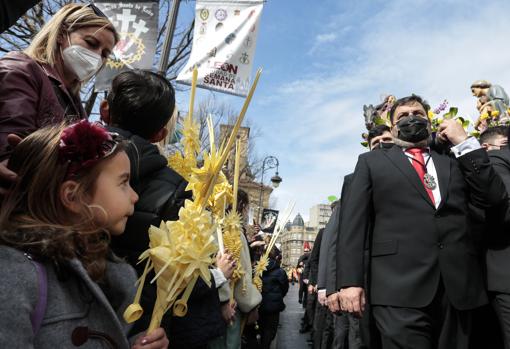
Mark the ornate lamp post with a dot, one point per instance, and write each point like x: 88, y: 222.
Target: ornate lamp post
x: 268, y: 163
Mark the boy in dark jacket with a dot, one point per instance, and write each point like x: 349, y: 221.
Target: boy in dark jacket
x: 275, y: 285
x: 139, y: 107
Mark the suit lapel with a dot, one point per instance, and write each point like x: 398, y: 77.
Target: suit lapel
x: 397, y: 157
x: 442, y: 164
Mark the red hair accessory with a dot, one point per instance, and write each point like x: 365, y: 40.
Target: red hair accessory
x: 83, y: 144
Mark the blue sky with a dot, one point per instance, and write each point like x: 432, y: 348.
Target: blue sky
x: 324, y: 59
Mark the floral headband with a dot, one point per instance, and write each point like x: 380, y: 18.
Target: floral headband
x: 83, y: 144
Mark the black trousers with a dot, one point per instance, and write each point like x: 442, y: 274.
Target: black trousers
x: 439, y: 325
x: 323, y: 328
x: 347, y: 332
x: 501, y: 305
x: 311, y: 302
x: 302, y: 293
x: 268, y: 323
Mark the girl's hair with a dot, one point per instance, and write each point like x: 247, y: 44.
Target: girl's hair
x: 32, y: 216
x: 45, y: 47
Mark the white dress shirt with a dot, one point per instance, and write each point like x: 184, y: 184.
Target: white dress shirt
x: 460, y: 149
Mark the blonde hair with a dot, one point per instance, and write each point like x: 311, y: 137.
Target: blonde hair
x: 32, y: 216
x: 44, y: 47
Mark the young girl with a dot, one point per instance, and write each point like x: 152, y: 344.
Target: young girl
x: 61, y: 286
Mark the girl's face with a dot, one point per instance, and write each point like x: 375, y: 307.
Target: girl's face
x: 114, y: 194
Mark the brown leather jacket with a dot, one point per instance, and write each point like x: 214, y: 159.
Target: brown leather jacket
x: 32, y: 96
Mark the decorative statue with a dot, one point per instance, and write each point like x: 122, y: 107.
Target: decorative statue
x: 379, y: 114
x: 480, y: 88
x: 492, y: 104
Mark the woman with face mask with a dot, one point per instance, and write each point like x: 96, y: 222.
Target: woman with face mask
x: 41, y: 85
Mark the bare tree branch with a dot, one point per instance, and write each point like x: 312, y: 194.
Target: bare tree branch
x: 19, y: 36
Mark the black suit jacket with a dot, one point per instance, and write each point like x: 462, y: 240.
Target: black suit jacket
x: 334, y: 258
x: 498, y: 239
x: 313, y: 262
x: 413, y: 245
x: 326, y: 276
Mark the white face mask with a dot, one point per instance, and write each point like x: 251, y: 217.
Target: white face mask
x: 81, y: 61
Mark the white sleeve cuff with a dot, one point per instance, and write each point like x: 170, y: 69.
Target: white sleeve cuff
x: 470, y: 144
x: 219, y: 278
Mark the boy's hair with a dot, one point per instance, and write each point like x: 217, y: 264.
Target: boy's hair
x: 275, y: 253
x: 492, y: 132
x: 33, y: 218
x: 377, y: 131
x: 141, y: 102
x: 406, y: 101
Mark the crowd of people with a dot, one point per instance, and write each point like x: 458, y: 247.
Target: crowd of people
x: 415, y: 253
x: 78, y: 198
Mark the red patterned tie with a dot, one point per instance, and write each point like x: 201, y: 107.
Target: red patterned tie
x: 419, y: 166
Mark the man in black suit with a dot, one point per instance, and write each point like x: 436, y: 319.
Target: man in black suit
x: 347, y: 328
x: 379, y: 137
x: 424, y: 270
x: 498, y: 249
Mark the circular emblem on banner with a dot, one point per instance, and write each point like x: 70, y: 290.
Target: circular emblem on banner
x: 230, y: 38
x: 204, y: 14
x: 220, y: 14
x: 237, y: 12
x: 128, y: 50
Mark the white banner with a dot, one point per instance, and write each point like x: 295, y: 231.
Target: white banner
x: 224, y: 43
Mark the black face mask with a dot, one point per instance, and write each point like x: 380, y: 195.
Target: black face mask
x: 413, y: 129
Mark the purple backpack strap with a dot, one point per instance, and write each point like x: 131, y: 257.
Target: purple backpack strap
x: 40, y: 308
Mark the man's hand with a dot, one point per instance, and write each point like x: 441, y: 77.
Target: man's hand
x: 333, y: 302
x: 155, y: 340
x: 352, y: 300
x: 305, y: 281
x: 226, y: 264
x: 321, y: 297
x: 310, y: 289
x: 451, y: 130
x: 228, y: 311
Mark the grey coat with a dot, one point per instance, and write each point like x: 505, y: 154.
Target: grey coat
x: 73, y: 300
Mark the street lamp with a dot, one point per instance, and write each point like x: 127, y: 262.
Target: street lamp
x: 268, y: 163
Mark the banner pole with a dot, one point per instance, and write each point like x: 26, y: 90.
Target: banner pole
x: 165, y: 53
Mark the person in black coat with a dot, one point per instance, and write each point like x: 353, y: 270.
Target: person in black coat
x: 138, y: 107
x: 357, y: 334
x: 425, y: 275
x: 275, y: 285
x: 303, y: 278
x: 498, y: 251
